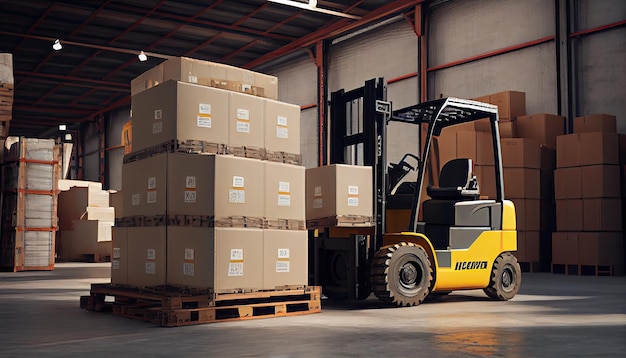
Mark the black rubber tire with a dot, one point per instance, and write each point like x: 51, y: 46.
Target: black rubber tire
x: 401, y: 274
x: 506, y: 278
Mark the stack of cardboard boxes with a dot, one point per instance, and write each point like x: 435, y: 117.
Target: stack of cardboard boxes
x: 227, y: 222
x: 587, y: 189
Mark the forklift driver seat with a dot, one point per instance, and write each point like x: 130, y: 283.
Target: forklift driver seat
x: 456, y: 182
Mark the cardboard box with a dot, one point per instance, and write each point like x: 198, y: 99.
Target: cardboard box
x: 225, y: 259
x: 339, y: 190
x: 284, y: 191
x: 527, y: 246
x: 179, y: 111
x: 599, y: 148
x: 146, y: 256
x: 282, y: 127
x: 568, y: 150
x: 246, y: 122
x: 6, y: 68
x: 569, y: 215
x: 601, y: 181
x: 602, y: 249
x: 268, y: 83
x: 285, y: 258
x: 119, y: 256
x: 506, y: 128
x: 484, y: 149
x: 522, y: 183
x: 88, y: 203
x: 511, y: 104
x: 193, y: 71
x: 116, y: 201
x: 565, y: 248
x: 568, y: 183
x: 602, y: 214
x: 527, y: 214
x: 595, y: 123
x: 541, y: 127
x: 486, y: 177
x: 184, y: 184
x: 87, y: 237
x: 151, y: 78
x: 520, y: 153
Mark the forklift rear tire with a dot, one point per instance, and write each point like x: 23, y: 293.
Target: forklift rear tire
x: 401, y: 274
x: 506, y: 278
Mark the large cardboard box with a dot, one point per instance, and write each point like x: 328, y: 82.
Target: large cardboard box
x: 541, y: 127
x: 601, y: 181
x: 595, y: 123
x: 486, y: 177
x: 527, y: 246
x: 520, y: 153
x: 268, y: 83
x: 179, y: 111
x: 146, y: 256
x: 565, y: 248
x: 602, y: 214
x: 284, y: 191
x: 568, y: 183
x: 224, y: 259
x: 599, y: 148
x: 184, y: 184
x: 285, y: 258
x: 282, y: 127
x: 339, y: 190
x: 119, y: 256
x: 453, y: 144
x: 522, y: 183
x: 511, y: 104
x: 73, y: 203
x: 569, y: 215
x: 193, y: 71
x: 246, y: 125
x: 87, y: 237
x: 602, y: 249
x: 506, y: 128
x: 146, y: 80
x: 568, y: 150
x: 527, y: 214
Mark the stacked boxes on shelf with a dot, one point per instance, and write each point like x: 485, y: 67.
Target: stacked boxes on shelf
x: 6, y: 94
x: 211, y: 220
x: 85, y: 221
x: 29, y: 205
x: 587, y: 189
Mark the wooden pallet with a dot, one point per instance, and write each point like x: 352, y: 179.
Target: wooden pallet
x: 177, y: 146
x: 141, y: 220
x: 172, y: 307
x: 248, y: 152
x: 530, y: 266
x: 341, y: 221
x: 239, y: 221
x: 565, y: 269
x: 284, y: 224
x: 283, y: 157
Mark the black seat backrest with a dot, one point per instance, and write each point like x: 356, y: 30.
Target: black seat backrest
x: 456, y: 173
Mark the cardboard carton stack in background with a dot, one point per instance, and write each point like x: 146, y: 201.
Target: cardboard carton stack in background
x: 227, y: 223
x: 6, y: 95
x: 587, y: 189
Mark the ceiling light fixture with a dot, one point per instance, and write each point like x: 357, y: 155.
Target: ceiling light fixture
x: 62, y: 127
x: 56, y: 46
x: 312, y: 6
x: 142, y: 57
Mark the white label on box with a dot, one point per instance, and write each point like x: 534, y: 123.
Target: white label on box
x: 236, y: 196
x: 246, y: 87
x: 190, y: 182
x: 283, y: 253
x: 282, y: 266
x: 284, y: 187
x: 235, y: 269
x: 236, y: 254
x: 115, y: 264
x: 282, y: 132
x: 192, y: 79
x: 158, y: 114
x: 317, y: 203
x: 243, y: 127
x: 238, y: 182
x: 189, y: 254
x: 188, y: 269
x: 151, y: 254
x: 151, y: 197
x: 204, y: 122
x: 116, y: 252
x: 318, y: 191
x: 136, y: 199
x: 157, y: 127
x: 190, y: 196
x: 150, y: 268
x: 284, y: 200
x: 281, y: 121
x: 204, y: 108
x: 353, y: 190
x: 151, y: 183
x: 353, y: 201
x: 243, y: 114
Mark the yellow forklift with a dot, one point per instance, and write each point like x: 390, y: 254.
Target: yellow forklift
x: 461, y: 241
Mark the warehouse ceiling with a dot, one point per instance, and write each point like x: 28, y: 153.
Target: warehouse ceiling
x: 101, y: 39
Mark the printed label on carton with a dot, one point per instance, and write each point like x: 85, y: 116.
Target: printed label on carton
x: 353, y: 190
x: 190, y: 182
x: 136, y: 199
x: 238, y: 182
x: 151, y: 183
x: 281, y: 121
x: 189, y: 254
x: 116, y: 253
x: 158, y: 114
x: 157, y: 127
x: 283, y: 253
x: 150, y: 268
x: 352, y: 201
x: 284, y: 200
x: 318, y: 191
x: 190, y: 196
x: 235, y: 269
x: 243, y: 114
x: 282, y: 266
x: 317, y: 203
x: 188, y: 269
x: 151, y: 254
x: 204, y: 115
x: 236, y: 196
x: 192, y: 79
x: 151, y: 197
x: 246, y: 88
x: 282, y: 132
x: 284, y: 187
x: 236, y: 254
x: 115, y: 264
x: 243, y: 126
x: 204, y: 122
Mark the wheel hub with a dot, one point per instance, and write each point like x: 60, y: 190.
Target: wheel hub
x: 408, y: 274
x: 508, y: 279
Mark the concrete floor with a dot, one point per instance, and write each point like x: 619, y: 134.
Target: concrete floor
x: 553, y: 316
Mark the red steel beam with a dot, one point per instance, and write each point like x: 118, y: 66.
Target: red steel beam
x: 81, y: 85
x: 35, y: 25
x: 334, y: 29
x: 81, y: 97
x: 492, y: 53
x: 256, y: 11
x: 204, y: 44
x: 51, y: 110
x: 239, y: 50
x: 598, y: 29
x: 308, y: 106
x: 76, y: 79
x: 402, y: 78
